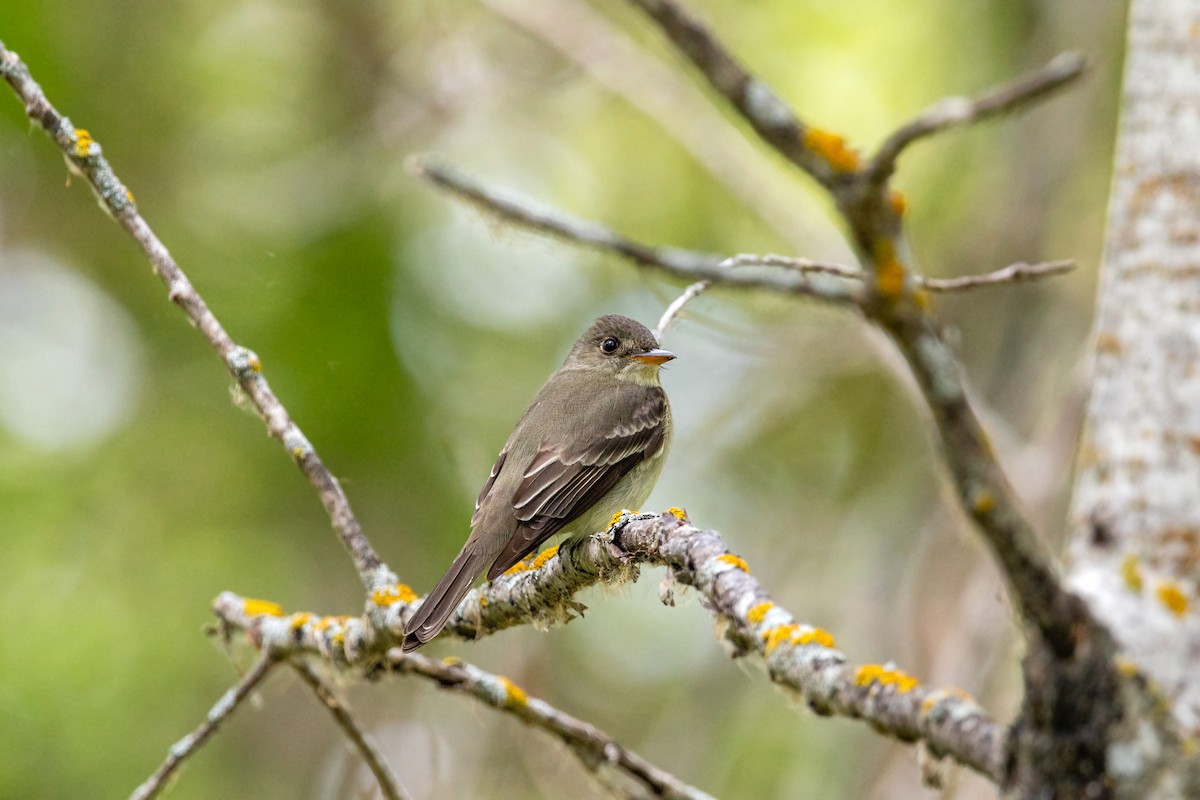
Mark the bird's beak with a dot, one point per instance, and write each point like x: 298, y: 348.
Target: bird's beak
x: 655, y: 356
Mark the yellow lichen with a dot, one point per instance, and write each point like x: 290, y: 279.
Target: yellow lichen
x: 452, y: 661
x: 325, y: 623
x: 483, y: 602
x: 615, y: 518
x: 778, y: 635
x: 816, y: 636
x: 543, y: 557
x: 129, y: 196
x: 514, y: 696
x: 868, y: 674
x: 83, y: 143
x: 677, y: 513
x: 923, y: 299
x: 758, y: 612
x: 983, y: 502
x: 897, y: 203
x: 299, y: 620
x: 338, y: 637
x: 1171, y: 596
x: 390, y: 595
x: 1131, y: 573
x: 261, y: 608
x: 1126, y: 666
x: 735, y: 561
x: 522, y: 565
x: 889, y: 272
x: 832, y: 149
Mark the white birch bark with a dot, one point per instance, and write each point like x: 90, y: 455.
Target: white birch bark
x: 1135, y: 549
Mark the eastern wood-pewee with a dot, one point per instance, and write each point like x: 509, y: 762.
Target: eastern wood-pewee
x: 592, y: 443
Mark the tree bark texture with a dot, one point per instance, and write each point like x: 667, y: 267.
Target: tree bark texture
x: 1135, y: 549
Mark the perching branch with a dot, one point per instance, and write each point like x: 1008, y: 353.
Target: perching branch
x: 799, y: 658
x: 621, y: 770
x: 983, y: 488
x: 952, y: 112
x: 84, y: 157
x: 389, y: 784
x: 186, y: 747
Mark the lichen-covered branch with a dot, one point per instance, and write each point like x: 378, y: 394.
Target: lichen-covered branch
x: 85, y: 157
x: 186, y: 747
x: 389, y: 784
x: 800, y: 658
x: 621, y: 770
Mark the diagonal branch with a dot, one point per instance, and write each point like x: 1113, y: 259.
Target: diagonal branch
x: 953, y: 112
x: 84, y: 157
x: 822, y: 155
x: 613, y: 764
x: 799, y: 658
x: 389, y: 784
x: 674, y: 262
x: 186, y: 747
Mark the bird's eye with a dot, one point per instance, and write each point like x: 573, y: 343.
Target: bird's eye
x: 609, y: 345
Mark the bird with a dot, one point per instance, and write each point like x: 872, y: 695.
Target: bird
x: 592, y: 443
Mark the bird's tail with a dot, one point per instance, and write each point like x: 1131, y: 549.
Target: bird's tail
x: 439, y: 604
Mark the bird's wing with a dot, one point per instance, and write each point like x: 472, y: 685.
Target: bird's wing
x: 566, y: 478
x: 487, y: 486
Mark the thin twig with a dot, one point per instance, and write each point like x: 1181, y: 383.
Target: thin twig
x: 953, y: 112
x: 613, y: 764
x: 689, y: 294
x: 389, y: 784
x: 798, y: 657
x: 84, y: 156
x: 188, y: 745
x: 1013, y: 273
x: 686, y: 264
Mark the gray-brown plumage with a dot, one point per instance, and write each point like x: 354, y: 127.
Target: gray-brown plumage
x: 591, y: 444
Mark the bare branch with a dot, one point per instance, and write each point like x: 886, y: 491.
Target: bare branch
x: 614, y: 765
x: 188, y: 745
x: 794, y: 263
x: 84, y: 157
x: 953, y: 112
x: 685, y: 264
x: 1013, y: 273
x: 799, y: 658
x: 672, y: 311
x: 389, y: 784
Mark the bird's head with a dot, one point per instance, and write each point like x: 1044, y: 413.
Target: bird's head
x: 622, y: 346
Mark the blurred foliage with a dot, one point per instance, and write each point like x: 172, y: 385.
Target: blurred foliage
x: 265, y: 142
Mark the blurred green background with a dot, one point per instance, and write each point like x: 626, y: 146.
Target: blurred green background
x: 265, y: 142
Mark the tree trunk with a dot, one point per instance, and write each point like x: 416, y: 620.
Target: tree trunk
x: 1135, y: 549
